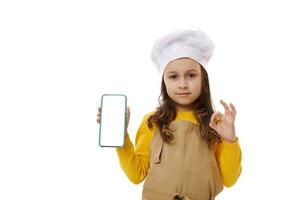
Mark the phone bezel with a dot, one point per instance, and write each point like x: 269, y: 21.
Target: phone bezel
x: 124, y: 131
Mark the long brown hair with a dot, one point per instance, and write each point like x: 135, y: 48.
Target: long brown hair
x: 203, y: 109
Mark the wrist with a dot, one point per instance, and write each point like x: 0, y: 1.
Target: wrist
x: 229, y: 139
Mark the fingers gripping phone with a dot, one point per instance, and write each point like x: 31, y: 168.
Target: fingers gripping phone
x: 112, y: 128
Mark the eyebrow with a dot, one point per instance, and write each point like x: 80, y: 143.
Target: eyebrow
x: 190, y: 70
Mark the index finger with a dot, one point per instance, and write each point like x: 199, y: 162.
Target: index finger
x: 225, y: 105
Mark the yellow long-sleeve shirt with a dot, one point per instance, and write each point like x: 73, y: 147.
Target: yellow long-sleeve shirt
x: 135, y: 160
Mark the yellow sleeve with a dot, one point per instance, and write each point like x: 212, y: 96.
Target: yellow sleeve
x: 228, y: 156
x: 135, y: 160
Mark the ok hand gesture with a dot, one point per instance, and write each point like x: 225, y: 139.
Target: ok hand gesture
x: 223, y: 124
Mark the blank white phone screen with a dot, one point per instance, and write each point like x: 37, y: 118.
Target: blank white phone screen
x: 112, y: 120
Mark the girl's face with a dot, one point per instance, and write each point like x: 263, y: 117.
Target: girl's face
x: 182, y: 78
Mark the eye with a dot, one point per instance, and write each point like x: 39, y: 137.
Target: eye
x: 173, y: 77
x: 190, y: 75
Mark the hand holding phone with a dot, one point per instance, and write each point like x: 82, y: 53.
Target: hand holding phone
x: 128, y: 116
x: 113, y: 118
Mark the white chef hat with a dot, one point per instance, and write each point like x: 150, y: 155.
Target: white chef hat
x: 194, y: 44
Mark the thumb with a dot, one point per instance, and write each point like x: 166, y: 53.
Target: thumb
x: 128, y: 114
x: 216, y: 117
x: 128, y: 111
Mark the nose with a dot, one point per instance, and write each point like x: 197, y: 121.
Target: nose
x: 183, y: 84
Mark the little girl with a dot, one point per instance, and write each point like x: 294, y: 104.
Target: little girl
x: 183, y: 150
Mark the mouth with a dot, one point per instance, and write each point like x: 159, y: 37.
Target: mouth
x: 183, y: 94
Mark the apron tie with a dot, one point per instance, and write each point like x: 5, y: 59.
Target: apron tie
x: 180, y: 197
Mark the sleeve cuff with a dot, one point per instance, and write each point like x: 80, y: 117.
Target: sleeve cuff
x: 127, y: 143
x: 230, y: 145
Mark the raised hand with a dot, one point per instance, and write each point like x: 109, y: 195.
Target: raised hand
x: 223, y: 124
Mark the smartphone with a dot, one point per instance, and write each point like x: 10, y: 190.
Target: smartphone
x: 112, y: 129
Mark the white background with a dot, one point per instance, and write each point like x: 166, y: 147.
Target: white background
x: 57, y: 58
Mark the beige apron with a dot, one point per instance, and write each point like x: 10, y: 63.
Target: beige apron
x: 183, y: 169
